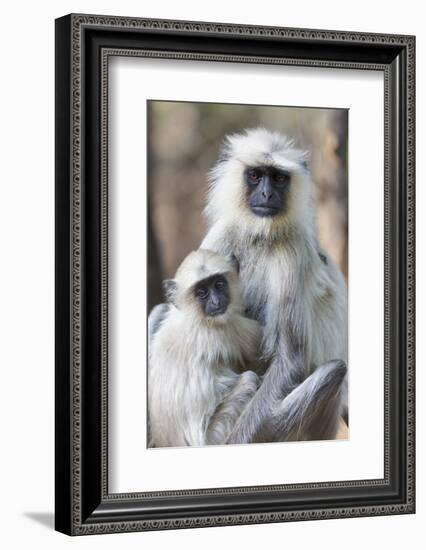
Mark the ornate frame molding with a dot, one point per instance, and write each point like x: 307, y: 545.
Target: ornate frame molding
x: 85, y: 507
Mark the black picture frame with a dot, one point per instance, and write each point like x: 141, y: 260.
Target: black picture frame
x: 83, y: 46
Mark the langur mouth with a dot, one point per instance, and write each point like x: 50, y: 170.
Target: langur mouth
x: 265, y: 211
x: 216, y: 312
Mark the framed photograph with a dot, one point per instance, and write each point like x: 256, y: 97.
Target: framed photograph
x: 234, y: 274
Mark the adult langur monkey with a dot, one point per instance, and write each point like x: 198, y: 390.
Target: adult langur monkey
x: 260, y: 209
x: 200, y: 345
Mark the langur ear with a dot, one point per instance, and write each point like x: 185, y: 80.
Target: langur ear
x: 235, y: 263
x: 323, y: 257
x: 313, y: 409
x: 169, y: 289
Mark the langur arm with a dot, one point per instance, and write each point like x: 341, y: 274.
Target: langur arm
x: 155, y: 318
x: 230, y: 409
x: 287, y: 370
x: 159, y: 312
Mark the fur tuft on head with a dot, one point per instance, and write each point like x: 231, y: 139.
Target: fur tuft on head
x: 227, y: 194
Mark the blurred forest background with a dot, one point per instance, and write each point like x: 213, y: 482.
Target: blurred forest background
x: 183, y: 143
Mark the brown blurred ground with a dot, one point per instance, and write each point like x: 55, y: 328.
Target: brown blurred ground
x: 183, y: 143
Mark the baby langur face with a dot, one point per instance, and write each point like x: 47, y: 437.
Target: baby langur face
x: 213, y: 295
x: 267, y: 187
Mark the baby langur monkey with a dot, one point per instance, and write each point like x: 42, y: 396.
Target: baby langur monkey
x: 201, y: 346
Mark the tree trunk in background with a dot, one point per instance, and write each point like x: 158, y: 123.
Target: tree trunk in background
x: 155, y: 294
x: 341, y: 125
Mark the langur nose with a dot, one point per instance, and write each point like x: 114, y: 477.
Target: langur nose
x: 266, y: 189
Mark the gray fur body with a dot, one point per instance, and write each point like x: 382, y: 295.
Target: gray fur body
x: 196, y: 387
x: 299, y: 298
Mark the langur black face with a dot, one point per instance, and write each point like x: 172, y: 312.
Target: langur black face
x: 213, y: 295
x: 267, y: 187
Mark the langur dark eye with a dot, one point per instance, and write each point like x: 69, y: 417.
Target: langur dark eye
x: 252, y: 176
x: 220, y: 285
x: 202, y: 292
x: 281, y: 178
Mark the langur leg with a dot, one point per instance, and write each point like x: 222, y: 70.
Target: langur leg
x: 311, y: 411
x: 345, y: 412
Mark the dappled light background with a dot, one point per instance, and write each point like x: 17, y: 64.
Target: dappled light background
x: 183, y: 143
